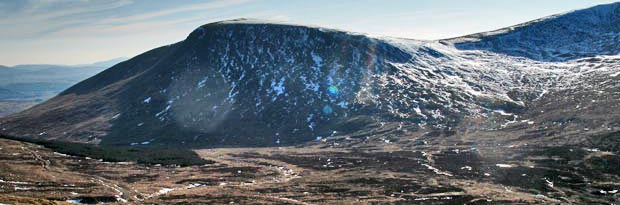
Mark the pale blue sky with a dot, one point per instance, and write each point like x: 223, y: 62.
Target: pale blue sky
x: 85, y: 31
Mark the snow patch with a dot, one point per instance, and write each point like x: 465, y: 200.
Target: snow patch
x: 505, y: 165
x: 74, y: 201
x: 317, y: 59
x: 278, y: 87
x: 437, y: 171
x: 165, y: 190
x: 502, y: 112
x: 549, y: 183
x: 468, y: 168
x: 202, y: 83
x: 165, y: 109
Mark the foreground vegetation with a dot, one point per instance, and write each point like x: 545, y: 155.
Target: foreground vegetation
x: 144, y: 155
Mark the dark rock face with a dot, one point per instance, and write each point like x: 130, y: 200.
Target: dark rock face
x: 256, y: 83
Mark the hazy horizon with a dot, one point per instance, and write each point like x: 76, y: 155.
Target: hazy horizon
x: 83, y: 32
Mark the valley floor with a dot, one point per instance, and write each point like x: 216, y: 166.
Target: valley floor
x: 318, y: 173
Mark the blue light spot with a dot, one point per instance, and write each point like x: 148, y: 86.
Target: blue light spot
x: 327, y: 109
x: 318, y: 138
x: 333, y: 90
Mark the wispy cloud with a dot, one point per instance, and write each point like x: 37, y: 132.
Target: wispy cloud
x: 187, y: 8
x: 33, y: 11
x: 81, y: 31
x: 36, y: 19
x: 33, y: 18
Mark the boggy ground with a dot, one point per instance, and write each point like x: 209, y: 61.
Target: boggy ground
x: 321, y: 173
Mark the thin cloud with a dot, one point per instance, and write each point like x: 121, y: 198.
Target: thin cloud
x: 50, y: 18
x: 192, y: 7
x: 52, y: 9
x: 35, y: 19
x: 183, y: 24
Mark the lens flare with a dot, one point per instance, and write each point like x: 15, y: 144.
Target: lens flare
x: 327, y: 109
x: 333, y: 90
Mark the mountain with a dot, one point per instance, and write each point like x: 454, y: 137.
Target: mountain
x: 255, y: 83
x: 41, y: 73
x: 578, y: 34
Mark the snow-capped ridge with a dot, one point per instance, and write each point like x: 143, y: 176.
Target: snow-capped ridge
x: 578, y: 34
x: 253, y: 22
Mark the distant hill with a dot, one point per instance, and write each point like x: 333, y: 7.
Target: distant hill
x: 30, y: 84
x: 10, y: 94
x: 39, y: 73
